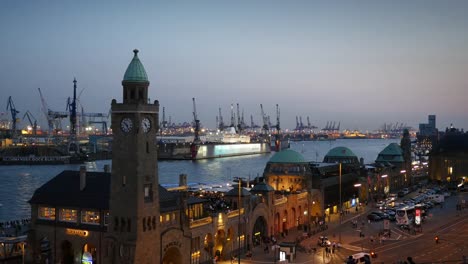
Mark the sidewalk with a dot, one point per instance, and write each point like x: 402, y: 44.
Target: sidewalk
x: 334, y: 232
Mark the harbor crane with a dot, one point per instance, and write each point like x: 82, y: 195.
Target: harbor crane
x: 71, y: 106
x: 33, y: 124
x: 221, y: 122
x: 265, y: 120
x: 309, y: 125
x: 252, y: 123
x: 45, y: 111
x: 240, y: 126
x: 277, y: 119
x: 196, y: 121
x: 233, y: 118
x: 164, y: 122
x: 13, y: 111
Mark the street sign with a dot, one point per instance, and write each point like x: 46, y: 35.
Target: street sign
x: 386, y: 224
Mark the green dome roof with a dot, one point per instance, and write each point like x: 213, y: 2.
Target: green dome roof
x: 340, y: 152
x: 135, y: 71
x: 392, y: 153
x: 287, y: 156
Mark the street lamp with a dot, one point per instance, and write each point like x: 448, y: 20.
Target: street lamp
x: 381, y: 184
x: 339, y: 238
x: 403, y: 171
x: 358, y: 185
x: 238, y: 220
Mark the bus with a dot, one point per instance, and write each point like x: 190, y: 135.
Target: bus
x: 404, y: 215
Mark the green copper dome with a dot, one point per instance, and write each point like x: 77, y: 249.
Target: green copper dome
x: 340, y: 152
x: 135, y: 71
x: 391, y: 153
x: 287, y: 156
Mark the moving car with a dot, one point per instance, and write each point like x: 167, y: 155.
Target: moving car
x: 323, y: 241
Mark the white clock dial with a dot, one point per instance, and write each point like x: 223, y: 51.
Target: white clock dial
x: 126, y: 125
x: 146, y: 125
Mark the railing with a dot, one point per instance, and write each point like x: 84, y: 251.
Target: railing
x: 200, y: 222
x: 235, y: 213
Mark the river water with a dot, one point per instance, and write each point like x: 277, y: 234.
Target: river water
x: 18, y: 183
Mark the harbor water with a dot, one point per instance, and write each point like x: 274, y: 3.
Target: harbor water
x: 18, y: 183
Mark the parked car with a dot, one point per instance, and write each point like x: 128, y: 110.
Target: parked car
x: 382, y: 215
x: 380, y: 204
x: 373, y: 217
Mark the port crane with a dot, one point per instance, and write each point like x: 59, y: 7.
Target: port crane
x: 220, y: 121
x: 277, y: 119
x: 240, y: 122
x: 252, y: 123
x: 233, y: 117
x: 309, y: 126
x: 71, y: 106
x: 265, y: 120
x: 33, y: 124
x: 13, y: 111
x: 164, y: 122
x: 196, y: 121
x: 45, y: 111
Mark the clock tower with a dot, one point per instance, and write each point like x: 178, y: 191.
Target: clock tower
x: 133, y: 234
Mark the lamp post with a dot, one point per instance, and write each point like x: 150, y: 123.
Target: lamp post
x: 339, y: 238
x: 238, y: 220
x: 403, y: 172
x: 358, y: 185
x: 383, y: 181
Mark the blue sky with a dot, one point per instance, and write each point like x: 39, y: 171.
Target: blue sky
x: 361, y: 63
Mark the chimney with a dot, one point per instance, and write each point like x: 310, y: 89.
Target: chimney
x: 82, y: 177
x: 106, y: 168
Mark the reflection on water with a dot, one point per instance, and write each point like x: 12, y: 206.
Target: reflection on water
x: 18, y: 183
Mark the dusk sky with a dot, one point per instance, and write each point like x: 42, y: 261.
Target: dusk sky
x: 361, y: 63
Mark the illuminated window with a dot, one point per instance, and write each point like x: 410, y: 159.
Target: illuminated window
x: 68, y: 215
x: 168, y: 218
x: 160, y: 219
x: 90, y: 217
x: 46, y: 213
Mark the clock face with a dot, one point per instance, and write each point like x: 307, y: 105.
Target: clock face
x: 126, y: 125
x: 146, y: 125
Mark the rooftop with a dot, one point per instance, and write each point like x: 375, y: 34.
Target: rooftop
x: 287, y: 156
